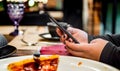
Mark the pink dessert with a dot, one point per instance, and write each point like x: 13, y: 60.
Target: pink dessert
x: 54, y: 49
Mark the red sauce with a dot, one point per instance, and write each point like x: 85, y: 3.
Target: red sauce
x: 31, y: 67
x: 46, y: 65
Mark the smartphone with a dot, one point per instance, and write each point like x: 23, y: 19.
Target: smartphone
x: 63, y: 29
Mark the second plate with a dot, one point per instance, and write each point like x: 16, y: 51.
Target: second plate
x: 48, y: 36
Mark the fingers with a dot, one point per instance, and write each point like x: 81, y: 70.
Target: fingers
x: 63, y: 38
x: 77, y: 47
x: 90, y: 50
x: 76, y: 53
x: 59, y: 32
x: 72, y: 30
x: 62, y: 35
x: 79, y: 54
x: 80, y: 50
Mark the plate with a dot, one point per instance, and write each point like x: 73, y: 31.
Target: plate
x: 7, y: 51
x: 66, y: 63
x: 48, y: 36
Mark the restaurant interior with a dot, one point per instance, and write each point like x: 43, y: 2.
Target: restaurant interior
x: 93, y: 15
x: 96, y: 17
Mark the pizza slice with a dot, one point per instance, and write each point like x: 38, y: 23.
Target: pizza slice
x: 47, y: 63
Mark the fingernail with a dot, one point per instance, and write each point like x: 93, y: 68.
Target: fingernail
x: 65, y: 47
x: 69, y: 40
x: 63, y: 36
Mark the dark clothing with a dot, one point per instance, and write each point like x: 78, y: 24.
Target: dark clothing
x: 111, y: 52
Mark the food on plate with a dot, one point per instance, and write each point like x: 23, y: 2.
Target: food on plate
x: 46, y: 63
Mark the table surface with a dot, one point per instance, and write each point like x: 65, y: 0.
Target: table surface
x: 31, y: 34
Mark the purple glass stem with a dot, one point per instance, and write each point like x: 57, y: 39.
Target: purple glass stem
x: 16, y: 25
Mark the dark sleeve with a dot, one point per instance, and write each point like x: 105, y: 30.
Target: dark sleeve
x: 111, y: 55
x: 115, y: 39
x: 111, y: 52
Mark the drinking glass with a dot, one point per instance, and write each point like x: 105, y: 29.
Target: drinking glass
x: 15, y: 12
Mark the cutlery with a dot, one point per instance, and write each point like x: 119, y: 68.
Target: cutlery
x: 28, y: 43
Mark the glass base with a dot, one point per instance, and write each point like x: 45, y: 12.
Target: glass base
x: 14, y: 33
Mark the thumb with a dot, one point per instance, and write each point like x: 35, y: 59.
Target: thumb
x: 70, y: 29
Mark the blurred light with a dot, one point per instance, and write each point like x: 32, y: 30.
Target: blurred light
x: 1, y: 0
x: 43, y: 1
x: 31, y: 3
x: 16, y: 0
x: 36, y: 0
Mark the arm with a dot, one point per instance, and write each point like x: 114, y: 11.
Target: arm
x: 97, y: 49
x: 115, y: 39
x: 111, y: 55
x: 111, y: 52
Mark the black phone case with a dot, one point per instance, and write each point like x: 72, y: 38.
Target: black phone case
x: 63, y: 29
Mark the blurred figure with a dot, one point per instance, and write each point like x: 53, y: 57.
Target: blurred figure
x: 72, y: 11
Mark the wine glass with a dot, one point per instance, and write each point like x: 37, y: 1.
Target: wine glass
x: 15, y: 12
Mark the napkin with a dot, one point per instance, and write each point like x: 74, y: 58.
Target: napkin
x: 54, y: 49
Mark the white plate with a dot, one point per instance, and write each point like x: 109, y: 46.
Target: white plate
x: 66, y: 63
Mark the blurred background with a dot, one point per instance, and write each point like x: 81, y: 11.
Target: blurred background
x: 96, y: 17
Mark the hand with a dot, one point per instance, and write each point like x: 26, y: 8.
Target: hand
x: 80, y: 35
x: 90, y: 50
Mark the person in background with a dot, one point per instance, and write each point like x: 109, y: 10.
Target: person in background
x: 105, y: 48
x: 72, y: 12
